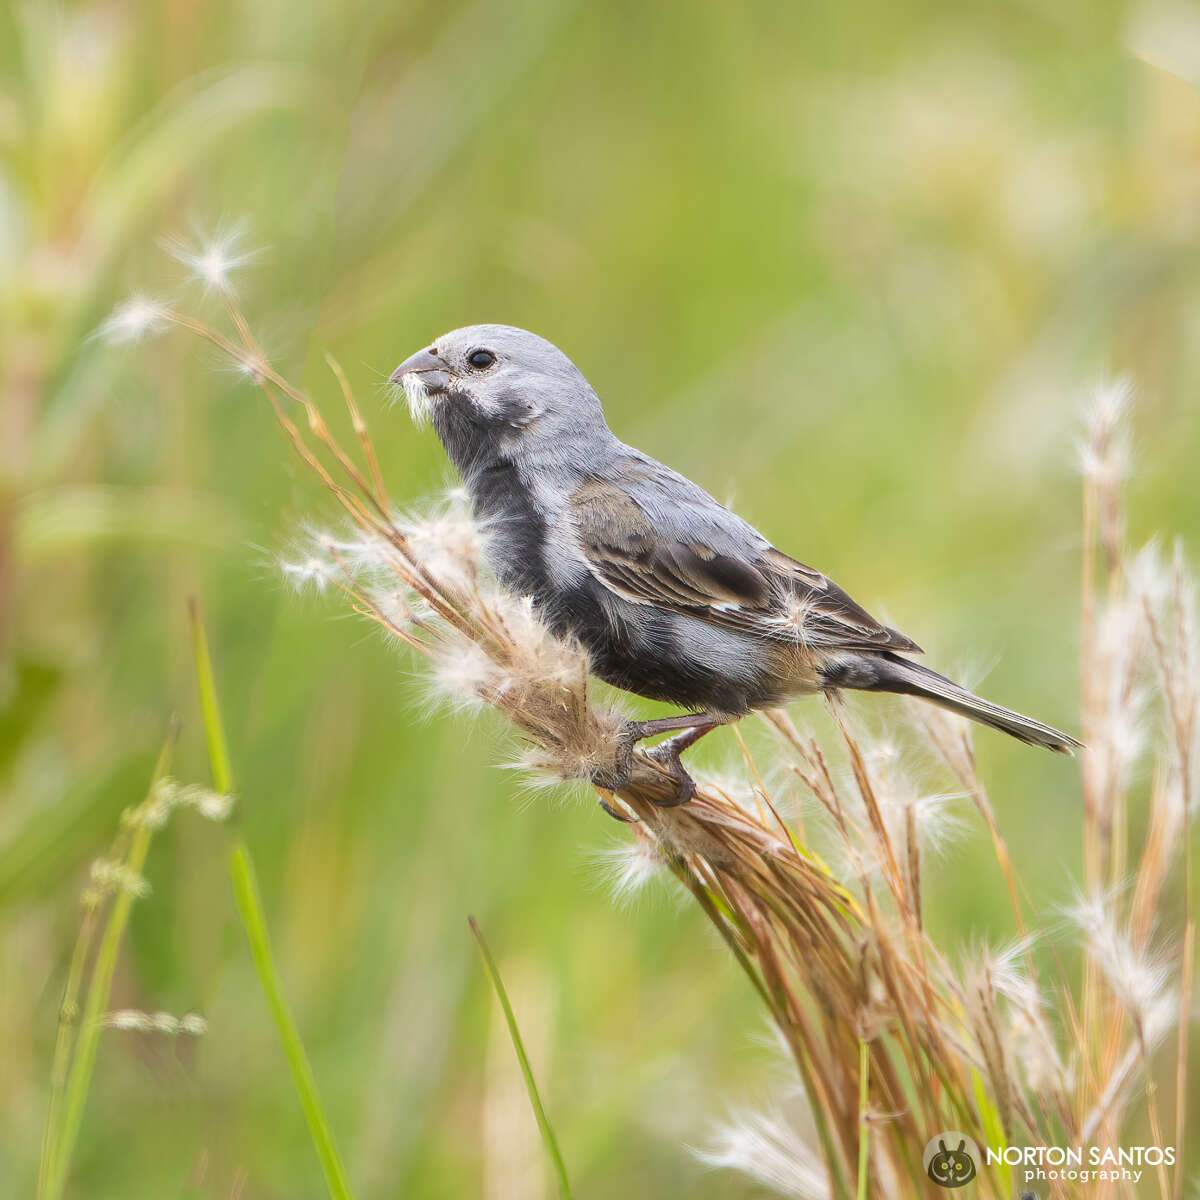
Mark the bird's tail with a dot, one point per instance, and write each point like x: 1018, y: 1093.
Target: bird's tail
x: 895, y: 674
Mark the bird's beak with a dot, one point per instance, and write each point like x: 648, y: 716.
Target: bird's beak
x: 432, y: 372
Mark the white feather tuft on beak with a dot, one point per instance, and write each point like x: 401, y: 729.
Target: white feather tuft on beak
x: 419, y: 397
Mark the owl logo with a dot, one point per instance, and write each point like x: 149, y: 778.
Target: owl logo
x: 950, y: 1159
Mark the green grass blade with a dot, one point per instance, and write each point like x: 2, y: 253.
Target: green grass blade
x: 245, y: 890
x: 250, y: 909
x: 210, y: 709
x: 993, y: 1126
x: 864, y: 1078
x: 535, y: 1100
x: 64, y: 1047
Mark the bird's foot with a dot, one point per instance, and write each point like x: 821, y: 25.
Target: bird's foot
x: 666, y: 754
x: 616, y: 778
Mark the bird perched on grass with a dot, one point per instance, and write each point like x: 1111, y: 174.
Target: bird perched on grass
x: 673, y: 596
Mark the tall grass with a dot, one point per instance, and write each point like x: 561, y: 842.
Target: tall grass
x: 79, y: 1032
x: 116, y: 881
x: 895, y: 1037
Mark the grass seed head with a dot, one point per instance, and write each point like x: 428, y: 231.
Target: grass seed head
x: 212, y: 261
x: 764, y: 1147
x: 134, y: 1020
x: 1104, y: 452
x: 629, y: 866
x: 134, y: 319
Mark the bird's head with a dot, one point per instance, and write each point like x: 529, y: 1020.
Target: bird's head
x: 501, y: 388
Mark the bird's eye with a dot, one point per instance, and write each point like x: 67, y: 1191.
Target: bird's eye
x: 481, y: 359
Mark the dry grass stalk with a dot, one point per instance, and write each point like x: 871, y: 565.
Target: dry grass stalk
x: 835, y: 945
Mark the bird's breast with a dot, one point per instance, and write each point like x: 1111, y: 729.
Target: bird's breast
x: 512, y: 525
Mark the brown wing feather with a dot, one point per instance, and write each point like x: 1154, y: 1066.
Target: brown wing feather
x: 770, y: 595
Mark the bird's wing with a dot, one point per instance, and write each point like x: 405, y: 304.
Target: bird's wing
x: 653, y: 537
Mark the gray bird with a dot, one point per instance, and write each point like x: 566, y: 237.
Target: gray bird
x: 673, y: 596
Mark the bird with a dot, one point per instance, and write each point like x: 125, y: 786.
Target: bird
x: 673, y: 596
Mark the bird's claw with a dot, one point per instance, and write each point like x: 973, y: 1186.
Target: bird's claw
x: 618, y: 777
x: 667, y: 755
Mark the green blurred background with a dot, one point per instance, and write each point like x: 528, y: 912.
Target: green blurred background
x: 851, y: 266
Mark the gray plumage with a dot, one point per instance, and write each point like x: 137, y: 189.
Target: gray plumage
x: 674, y: 596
